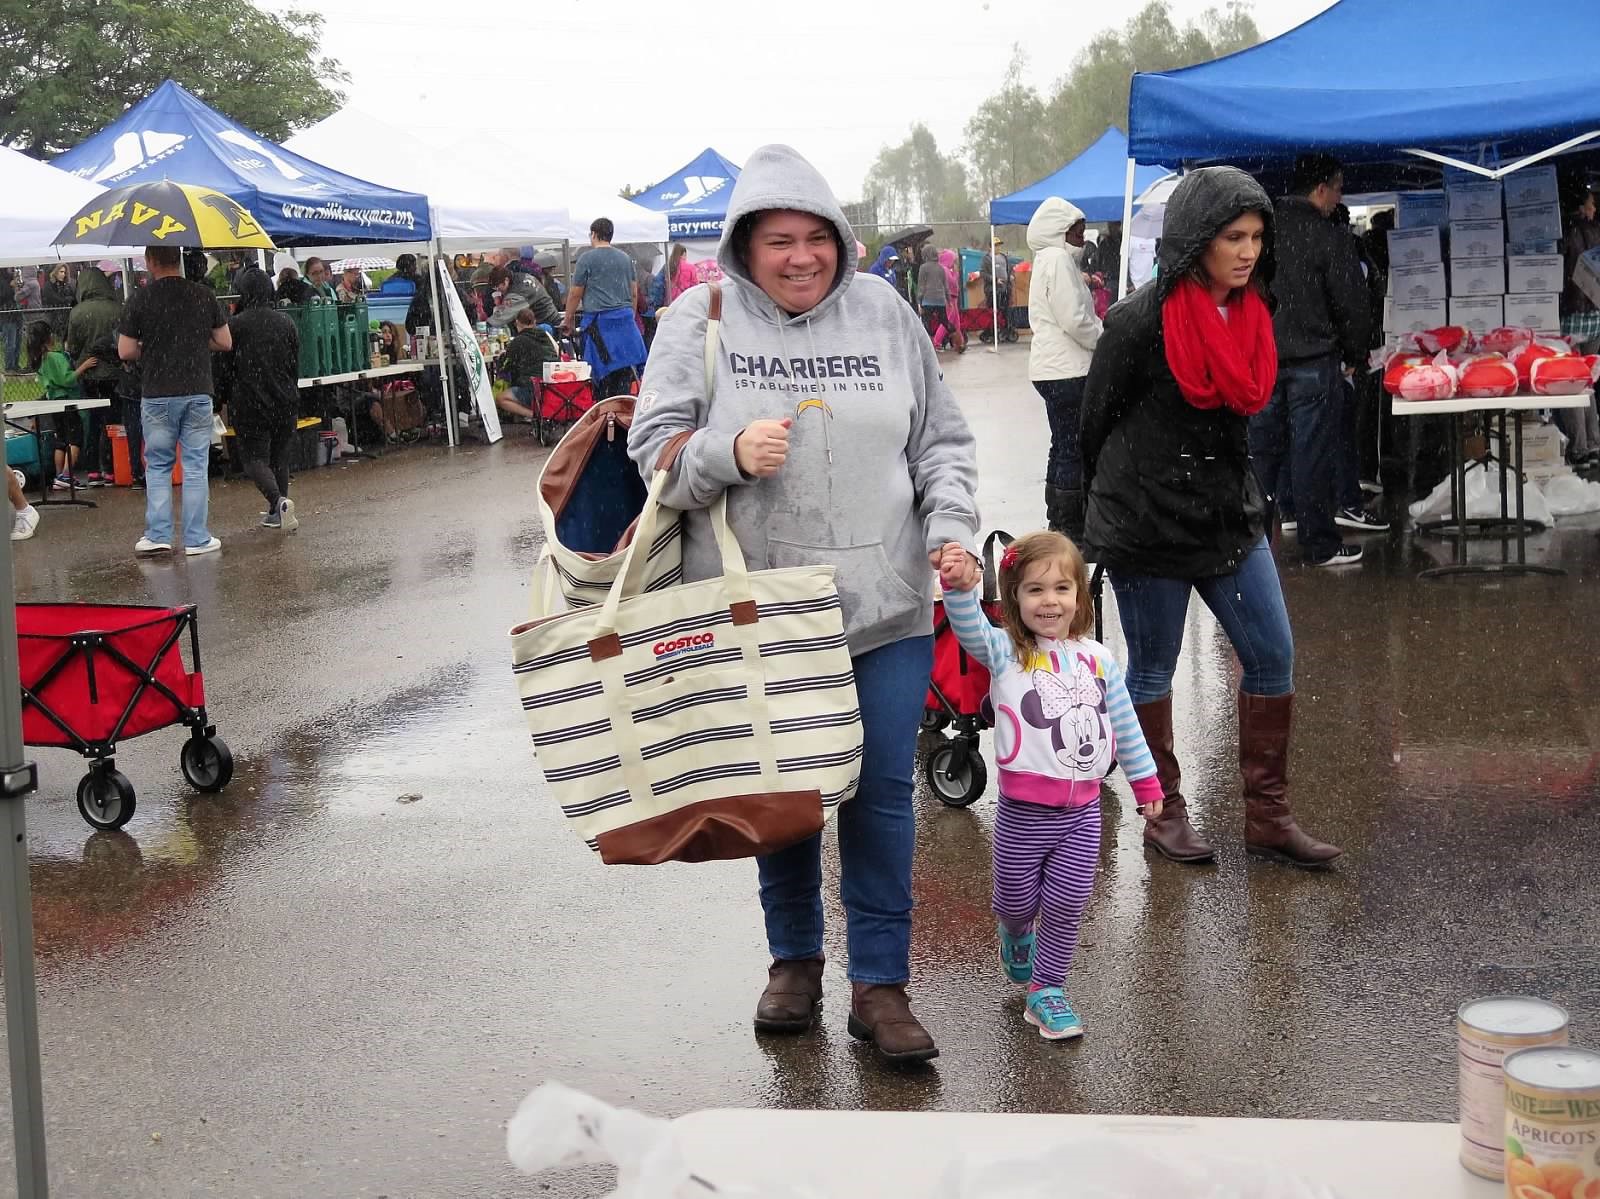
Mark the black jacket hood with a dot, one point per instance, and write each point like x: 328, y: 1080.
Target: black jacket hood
x: 1202, y: 205
x: 255, y: 289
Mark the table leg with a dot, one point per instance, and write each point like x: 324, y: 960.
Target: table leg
x: 47, y: 473
x: 1505, y: 463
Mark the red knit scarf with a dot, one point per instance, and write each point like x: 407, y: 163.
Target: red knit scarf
x: 1217, y: 363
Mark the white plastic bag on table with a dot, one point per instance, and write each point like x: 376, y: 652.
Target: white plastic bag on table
x: 1109, y: 1168
x: 557, y: 1128
x: 1568, y: 495
x: 1483, y: 498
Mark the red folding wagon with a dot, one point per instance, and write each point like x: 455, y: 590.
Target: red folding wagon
x: 96, y: 674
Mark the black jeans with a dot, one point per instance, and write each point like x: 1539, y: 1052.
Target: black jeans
x: 1297, y: 436
x: 932, y: 320
x: 1063, y: 405
x: 264, y: 456
x: 133, y: 424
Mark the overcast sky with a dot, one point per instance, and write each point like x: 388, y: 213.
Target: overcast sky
x: 644, y: 85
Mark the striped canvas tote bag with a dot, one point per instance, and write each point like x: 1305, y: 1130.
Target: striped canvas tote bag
x: 590, y: 495
x: 701, y: 721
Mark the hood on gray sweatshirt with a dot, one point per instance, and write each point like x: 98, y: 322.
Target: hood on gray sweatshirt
x: 881, y: 467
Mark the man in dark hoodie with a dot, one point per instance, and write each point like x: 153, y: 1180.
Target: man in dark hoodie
x: 262, y: 376
x: 92, y: 333
x: 1322, y: 321
x: 833, y: 436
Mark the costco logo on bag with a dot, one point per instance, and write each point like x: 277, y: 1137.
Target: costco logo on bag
x: 678, y: 645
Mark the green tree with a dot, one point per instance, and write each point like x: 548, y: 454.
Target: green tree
x: 1006, y: 141
x: 915, y: 181
x: 68, y: 68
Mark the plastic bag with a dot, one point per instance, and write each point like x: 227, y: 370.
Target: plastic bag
x: 557, y: 1128
x: 1568, y: 495
x: 1505, y: 339
x: 1447, y: 339
x: 1563, y: 376
x: 1112, y: 1168
x: 1487, y: 376
x: 1396, y: 365
x: 1483, y: 497
x: 1435, y: 380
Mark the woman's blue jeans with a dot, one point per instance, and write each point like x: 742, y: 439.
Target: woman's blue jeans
x: 175, y: 425
x: 876, y: 832
x: 1248, y: 604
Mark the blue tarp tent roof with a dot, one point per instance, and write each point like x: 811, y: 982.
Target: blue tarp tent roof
x: 695, y: 198
x: 1368, y: 77
x: 171, y: 134
x: 1093, y: 181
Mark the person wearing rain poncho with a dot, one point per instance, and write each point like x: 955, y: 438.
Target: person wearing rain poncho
x: 837, y: 442
x: 1173, y: 502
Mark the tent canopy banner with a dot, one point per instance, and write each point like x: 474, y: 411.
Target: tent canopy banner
x: 694, y: 197
x: 38, y: 200
x: 1451, y: 76
x: 1094, y: 181
x: 171, y: 134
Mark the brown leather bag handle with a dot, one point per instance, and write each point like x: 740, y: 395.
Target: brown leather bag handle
x: 669, y: 452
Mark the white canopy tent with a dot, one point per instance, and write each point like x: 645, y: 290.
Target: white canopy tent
x: 39, y: 199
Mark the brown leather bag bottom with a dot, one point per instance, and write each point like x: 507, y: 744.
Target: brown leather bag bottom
x: 736, y: 826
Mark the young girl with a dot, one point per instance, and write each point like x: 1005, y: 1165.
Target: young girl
x: 60, y: 380
x: 1062, y: 713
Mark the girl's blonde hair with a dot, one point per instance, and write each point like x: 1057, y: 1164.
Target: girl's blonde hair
x: 1023, y: 553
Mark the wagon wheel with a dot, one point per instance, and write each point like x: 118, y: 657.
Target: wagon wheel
x: 956, y: 774
x: 934, y: 720
x: 207, y: 763
x: 105, y: 798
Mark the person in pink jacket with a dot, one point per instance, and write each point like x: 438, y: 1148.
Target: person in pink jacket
x: 952, y: 311
x: 680, y: 275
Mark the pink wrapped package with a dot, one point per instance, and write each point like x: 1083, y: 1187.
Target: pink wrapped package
x: 1488, y: 376
x: 1434, y: 380
x: 1537, y: 350
x: 1450, y: 339
x: 1563, y: 376
x: 1397, y: 365
x: 1505, y: 340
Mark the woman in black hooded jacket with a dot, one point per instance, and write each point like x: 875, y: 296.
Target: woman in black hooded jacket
x: 261, y: 378
x: 1173, y: 503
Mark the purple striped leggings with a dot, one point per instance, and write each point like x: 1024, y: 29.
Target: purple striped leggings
x: 1044, y: 865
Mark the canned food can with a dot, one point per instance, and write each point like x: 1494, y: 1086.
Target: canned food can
x: 1487, y: 1030
x: 1553, y: 1123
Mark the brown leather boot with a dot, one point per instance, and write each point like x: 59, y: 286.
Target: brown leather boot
x: 1270, y: 830
x: 881, y: 1013
x: 793, y: 997
x: 1170, y: 834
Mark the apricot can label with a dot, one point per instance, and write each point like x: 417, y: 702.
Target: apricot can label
x: 1552, y: 1124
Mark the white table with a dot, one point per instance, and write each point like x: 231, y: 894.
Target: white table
x: 1459, y: 525
x: 886, y: 1155
x: 403, y: 367
x: 20, y: 410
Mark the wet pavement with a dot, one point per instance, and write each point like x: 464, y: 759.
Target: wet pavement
x: 339, y: 977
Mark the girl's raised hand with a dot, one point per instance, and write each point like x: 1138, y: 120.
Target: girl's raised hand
x: 958, y: 571
x: 1151, y: 811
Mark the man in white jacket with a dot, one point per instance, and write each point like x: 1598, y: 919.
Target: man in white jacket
x: 1065, y: 332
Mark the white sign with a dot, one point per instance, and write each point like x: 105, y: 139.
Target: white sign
x: 466, y: 348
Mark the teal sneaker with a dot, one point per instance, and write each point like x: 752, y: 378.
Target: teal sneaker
x: 1047, y: 1010
x: 1016, y: 955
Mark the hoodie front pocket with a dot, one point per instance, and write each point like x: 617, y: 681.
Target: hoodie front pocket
x: 871, y: 591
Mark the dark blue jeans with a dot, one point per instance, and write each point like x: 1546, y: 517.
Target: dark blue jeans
x: 1248, y: 604
x: 1063, y: 405
x: 11, y: 336
x: 1296, y: 436
x: 876, y: 832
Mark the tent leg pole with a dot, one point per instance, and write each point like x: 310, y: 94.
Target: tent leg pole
x: 452, y: 431
x: 994, y: 295
x: 1127, y: 232
x: 17, y: 779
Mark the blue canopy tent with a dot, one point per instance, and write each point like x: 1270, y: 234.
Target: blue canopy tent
x: 1444, y: 82
x: 695, y: 197
x: 172, y: 134
x: 1094, y: 181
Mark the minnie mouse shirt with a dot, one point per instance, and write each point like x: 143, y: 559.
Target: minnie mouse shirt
x: 1059, y: 722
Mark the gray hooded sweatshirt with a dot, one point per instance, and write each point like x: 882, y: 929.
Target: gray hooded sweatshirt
x: 881, y: 467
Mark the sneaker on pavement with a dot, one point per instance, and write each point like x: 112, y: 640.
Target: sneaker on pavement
x: 24, y: 523
x: 1359, y: 518
x: 272, y: 519
x: 138, y: 484
x: 1047, y: 1010
x: 210, y: 547
x: 146, y: 546
x: 286, y: 515
x: 1016, y: 955
x: 62, y: 483
x: 1345, y: 555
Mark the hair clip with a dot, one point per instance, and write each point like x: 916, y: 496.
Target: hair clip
x: 1009, y: 558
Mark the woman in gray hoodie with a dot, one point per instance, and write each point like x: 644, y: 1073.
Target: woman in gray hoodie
x: 831, y: 430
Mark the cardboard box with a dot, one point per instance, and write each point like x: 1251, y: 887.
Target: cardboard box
x: 1532, y: 185
x: 1473, y: 201
x: 1541, y: 313
x: 1417, y: 317
x: 1477, y: 239
x: 1478, y: 313
x: 578, y: 370
x: 1421, y: 210
x: 1533, y: 222
x: 1414, y: 283
x: 1413, y: 247
x: 1477, y: 276
x: 1586, y: 274
x: 1526, y: 273
x: 1524, y: 249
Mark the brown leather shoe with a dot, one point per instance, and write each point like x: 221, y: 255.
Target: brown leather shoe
x: 793, y: 996
x: 881, y: 1013
x: 1270, y: 830
x: 1170, y: 834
